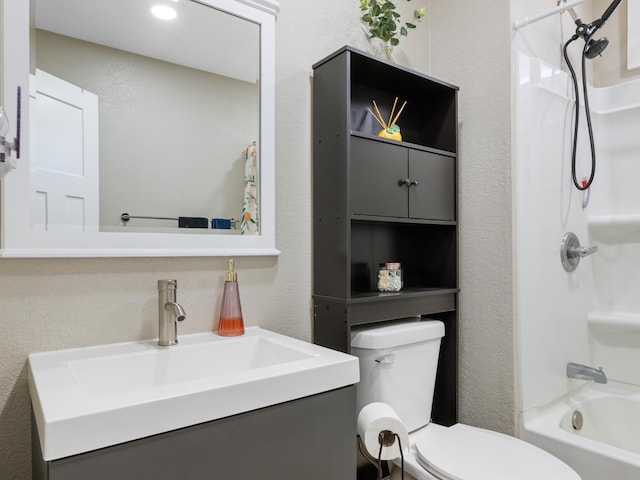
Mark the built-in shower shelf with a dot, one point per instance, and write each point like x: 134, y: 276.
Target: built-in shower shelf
x: 623, y: 108
x: 614, y: 322
x: 616, y: 228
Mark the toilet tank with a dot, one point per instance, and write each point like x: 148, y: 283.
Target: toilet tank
x: 398, y: 364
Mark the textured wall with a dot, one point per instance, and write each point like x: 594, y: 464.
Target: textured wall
x: 59, y: 303
x: 470, y: 47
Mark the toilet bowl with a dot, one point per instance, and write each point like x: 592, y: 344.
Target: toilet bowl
x: 398, y: 364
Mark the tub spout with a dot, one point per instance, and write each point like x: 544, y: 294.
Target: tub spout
x: 583, y: 372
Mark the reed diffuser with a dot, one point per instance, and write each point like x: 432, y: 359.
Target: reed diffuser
x: 390, y: 128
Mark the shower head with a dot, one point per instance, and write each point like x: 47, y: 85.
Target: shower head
x: 586, y: 31
x: 595, y: 47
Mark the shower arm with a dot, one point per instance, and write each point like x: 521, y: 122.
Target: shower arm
x: 587, y: 30
x: 607, y: 13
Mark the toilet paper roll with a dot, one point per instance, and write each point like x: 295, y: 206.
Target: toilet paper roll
x: 378, y: 417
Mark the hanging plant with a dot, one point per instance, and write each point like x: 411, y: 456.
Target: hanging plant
x: 384, y: 23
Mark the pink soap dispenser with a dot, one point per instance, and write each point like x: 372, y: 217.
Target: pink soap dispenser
x: 231, y: 323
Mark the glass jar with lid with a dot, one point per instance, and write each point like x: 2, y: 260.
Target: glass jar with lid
x: 390, y: 277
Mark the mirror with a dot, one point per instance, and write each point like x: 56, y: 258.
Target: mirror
x: 169, y: 122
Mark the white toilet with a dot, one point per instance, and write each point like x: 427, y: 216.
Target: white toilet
x: 398, y: 367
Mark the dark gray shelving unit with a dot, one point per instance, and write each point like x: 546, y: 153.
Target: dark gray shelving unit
x: 365, y: 213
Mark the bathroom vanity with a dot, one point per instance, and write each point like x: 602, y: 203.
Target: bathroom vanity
x: 309, y: 438
x: 262, y: 405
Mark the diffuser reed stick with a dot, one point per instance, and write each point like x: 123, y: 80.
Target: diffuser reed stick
x: 383, y: 125
x: 379, y: 118
x: 399, y: 112
x: 395, y: 102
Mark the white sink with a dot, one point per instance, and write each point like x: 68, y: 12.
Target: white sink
x: 89, y: 398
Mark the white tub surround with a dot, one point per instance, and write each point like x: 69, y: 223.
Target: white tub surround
x: 552, y: 303
x: 591, y: 315
x: 606, y: 446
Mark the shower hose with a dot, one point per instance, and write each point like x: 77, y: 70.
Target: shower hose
x: 587, y: 184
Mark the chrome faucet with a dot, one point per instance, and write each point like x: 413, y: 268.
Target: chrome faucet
x: 576, y: 370
x: 169, y: 313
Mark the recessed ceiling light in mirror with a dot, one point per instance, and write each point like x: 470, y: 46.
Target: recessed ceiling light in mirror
x: 163, y: 12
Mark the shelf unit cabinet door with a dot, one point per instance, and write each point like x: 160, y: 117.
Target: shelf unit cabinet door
x: 376, y: 171
x: 434, y: 197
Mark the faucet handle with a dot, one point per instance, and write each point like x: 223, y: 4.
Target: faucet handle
x: 165, y: 284
x: 582, y: 251
x: 571, y: 251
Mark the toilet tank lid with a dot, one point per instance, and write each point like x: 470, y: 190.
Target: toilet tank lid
x: 394, y: 335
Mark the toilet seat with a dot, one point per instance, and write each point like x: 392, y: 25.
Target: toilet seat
x: 462, y: 452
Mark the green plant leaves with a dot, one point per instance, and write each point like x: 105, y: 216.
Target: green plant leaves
x: 382, y: 20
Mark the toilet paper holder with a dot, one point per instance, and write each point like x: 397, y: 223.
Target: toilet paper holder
x: 386, y: 438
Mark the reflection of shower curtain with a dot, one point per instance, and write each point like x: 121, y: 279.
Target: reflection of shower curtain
x: 249, y: 221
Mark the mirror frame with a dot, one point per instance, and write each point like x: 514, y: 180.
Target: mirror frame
x: 18, y: 239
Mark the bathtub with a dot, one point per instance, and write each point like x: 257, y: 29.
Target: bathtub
x: 608, y: 444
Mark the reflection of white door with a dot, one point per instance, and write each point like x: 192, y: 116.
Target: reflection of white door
x: 64, y: 155
x: 633, y: 35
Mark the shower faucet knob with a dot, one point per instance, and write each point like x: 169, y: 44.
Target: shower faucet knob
x: 571, y: 251
x: 582, y: 251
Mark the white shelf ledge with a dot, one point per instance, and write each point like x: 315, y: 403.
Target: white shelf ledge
x: 616, y: 227
x: 614, y: 322
x: 623, y: 108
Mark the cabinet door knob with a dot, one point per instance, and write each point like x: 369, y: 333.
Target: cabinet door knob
x: 407, y: 182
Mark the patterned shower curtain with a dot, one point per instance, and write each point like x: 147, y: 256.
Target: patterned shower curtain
x: 249, y: 223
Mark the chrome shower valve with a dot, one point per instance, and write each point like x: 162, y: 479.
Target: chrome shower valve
x: 571, y: 251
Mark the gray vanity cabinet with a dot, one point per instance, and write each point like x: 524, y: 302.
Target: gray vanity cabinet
x: 310, y: 438
x: 377, y: 200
